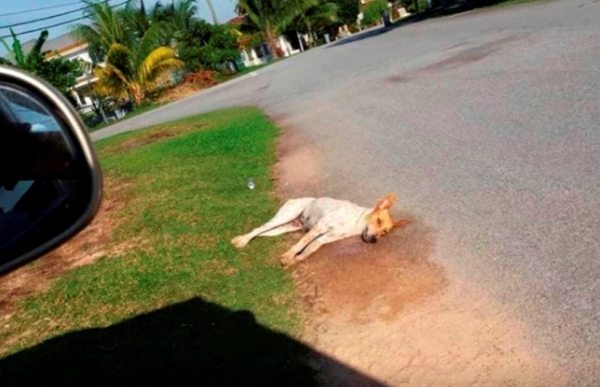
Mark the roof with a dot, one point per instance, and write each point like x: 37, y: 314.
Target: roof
x: 60, y: 43
x: 237, y: 20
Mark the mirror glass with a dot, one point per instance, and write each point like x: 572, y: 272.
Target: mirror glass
x: 45, y: 182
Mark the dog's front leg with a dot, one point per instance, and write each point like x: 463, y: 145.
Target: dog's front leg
x: 307, y: 246
x: 316, y: 245
x: 289, y: 257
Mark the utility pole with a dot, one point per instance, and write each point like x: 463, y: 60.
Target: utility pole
x: 212, y: 11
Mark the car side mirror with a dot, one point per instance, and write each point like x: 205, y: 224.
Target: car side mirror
x: 50, y: 180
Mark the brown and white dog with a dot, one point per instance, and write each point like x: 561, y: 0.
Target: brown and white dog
x: 325, y: 220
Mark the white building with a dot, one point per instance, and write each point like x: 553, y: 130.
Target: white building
x: 69, y: 47
x: 260, y: 54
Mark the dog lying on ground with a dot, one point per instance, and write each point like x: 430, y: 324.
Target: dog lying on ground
x: 325, y: 220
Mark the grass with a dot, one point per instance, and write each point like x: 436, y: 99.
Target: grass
x: 167, y: 305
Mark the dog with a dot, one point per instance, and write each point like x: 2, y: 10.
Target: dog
x: 325, y: 220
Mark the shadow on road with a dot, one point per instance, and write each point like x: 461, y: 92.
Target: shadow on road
x: 377, y: 31
x: 442, y: 8
x: 191, y: 343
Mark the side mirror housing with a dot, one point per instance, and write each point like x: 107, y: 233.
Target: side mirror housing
x: 50, y: 180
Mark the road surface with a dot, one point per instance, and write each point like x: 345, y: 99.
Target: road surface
x: 486, y: 125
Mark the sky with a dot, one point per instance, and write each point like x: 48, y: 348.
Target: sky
x: 17, y: 11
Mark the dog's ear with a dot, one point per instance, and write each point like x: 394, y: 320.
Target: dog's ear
x: 386, y: 202
x: 401, y: 223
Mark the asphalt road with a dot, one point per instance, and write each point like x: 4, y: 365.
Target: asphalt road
x: 487, y: 126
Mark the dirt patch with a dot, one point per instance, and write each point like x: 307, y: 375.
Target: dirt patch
x: 389, y: 312
x: 470, y: 55
x: 364, y: 282
x: 392, y: 313
x: 192, y: 83
x: 86, y: 247
x: 149, y: 139
x: 461, y: 58
x: 297, y: 171
x: 397, y: 79
x: 150, y: 136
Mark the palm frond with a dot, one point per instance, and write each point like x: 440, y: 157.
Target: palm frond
x: 115, y: 53
x: 111, y: 82
x: 272, y: 15
x: 151, y: 39
x: 156, y: 62
x: 9, y: 53
x: 35, y: 54
x: 91, y: 36
x: 162, y: 73
x: 17, y: 49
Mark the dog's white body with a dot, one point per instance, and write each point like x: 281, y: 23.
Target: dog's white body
x: 340, y: 217
x: 325, y: 220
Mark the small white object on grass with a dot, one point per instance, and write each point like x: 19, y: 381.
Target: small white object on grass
x: 251, y: 183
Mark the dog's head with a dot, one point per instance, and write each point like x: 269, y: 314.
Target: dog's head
x: 380, y: 222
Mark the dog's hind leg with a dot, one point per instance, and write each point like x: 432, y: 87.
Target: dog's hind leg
x: 294, y: 225
x: 284, y: 221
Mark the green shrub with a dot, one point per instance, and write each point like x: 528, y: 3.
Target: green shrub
x: 413, y: 6
x: 206, y: 46
x: 372, y: 11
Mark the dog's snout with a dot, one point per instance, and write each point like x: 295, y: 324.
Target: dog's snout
x: 368, y: 238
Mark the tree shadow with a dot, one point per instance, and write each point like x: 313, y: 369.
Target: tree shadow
x: 191, y: 343
x: 441, y: 8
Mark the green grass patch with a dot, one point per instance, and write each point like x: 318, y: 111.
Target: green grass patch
x: 169, y: 303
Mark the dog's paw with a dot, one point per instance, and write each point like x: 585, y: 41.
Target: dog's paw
x: 287, y: 260
x: 239, y: 241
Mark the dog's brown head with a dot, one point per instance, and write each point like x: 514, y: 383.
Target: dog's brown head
x: 380, y: 222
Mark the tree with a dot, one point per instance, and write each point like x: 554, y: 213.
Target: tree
x: 108, y: 26
x: 347, y: 10
x: 133, y: 65
x: 204, y: 45
x: 372, y: 11
x: 270, y: 17
x: 132, y: 72
x: 317, y: 16
x: 17, y: 57
x: 176, y: 18
x: 60, y: 72
x: 180, y: 16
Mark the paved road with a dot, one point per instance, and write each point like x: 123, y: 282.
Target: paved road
x: 487, y: 125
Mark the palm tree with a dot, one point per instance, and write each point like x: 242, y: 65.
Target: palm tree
x: 132, y: 72
x: 176, y: 18
x: 317, y: 16
x: 18, y: 58
x: 108, y: 26
x: 271, y: 17
x: 133, y: 65
x: 180, y: 15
